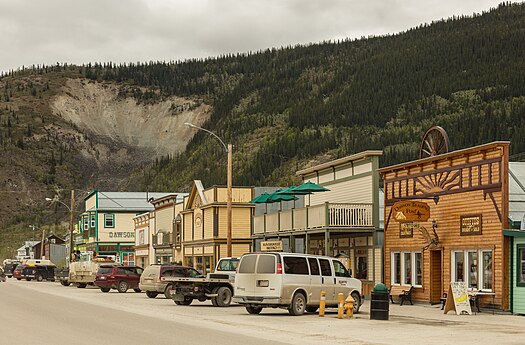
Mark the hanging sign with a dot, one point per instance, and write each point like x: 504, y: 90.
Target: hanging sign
x: 271, y: 246
x: 458, y: 299
x: 411, y: 211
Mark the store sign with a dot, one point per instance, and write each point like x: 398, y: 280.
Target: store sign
x: 406, y: 229
x: 470, y: 225
x: 409, y: 211
x: 121, y: 234
x: 271, y: 246
x: 457, y: 299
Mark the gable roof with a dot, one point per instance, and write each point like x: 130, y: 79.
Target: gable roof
x: 197, y: 190
x: 126, y: 201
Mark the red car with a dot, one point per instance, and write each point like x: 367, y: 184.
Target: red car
x: 17, y: 273
x: 121, y: 278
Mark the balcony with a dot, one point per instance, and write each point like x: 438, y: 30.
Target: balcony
x: 327, y: 215
x: 162, y: 240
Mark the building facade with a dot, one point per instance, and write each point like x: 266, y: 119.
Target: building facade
x: 343, y: 222
x: 465, y: 193
x: 142, y: 238
x: 166, y: 237
x: 204, y: 225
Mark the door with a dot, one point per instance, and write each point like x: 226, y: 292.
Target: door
x: 315, y: 281
x: 342, y: 276
x: 436, y: 279
x: 328, y: 281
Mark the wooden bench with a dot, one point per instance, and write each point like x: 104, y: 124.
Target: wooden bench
x: 403, y: 292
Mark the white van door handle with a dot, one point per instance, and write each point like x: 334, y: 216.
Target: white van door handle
x: 322, y: 280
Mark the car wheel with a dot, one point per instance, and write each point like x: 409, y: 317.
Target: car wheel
x: 357, y: 300
x: 187, y: 301
x: 28, y: 279
x: 65, y: 282
x: 137, y: 290
x: 298, y: 305
x: 18, y: 278
x: 122, y: 287
x: 311, y: 309
x: 224, y: 296
x: 105, y: 289
x: 151, y: 294
x: 81, y: 285
x: 254, y: 310
x: 39, y: 278
x: 167, y: 291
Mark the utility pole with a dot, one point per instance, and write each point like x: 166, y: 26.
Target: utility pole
x: 42, y: 244
x: 229, y: 202
x: 71, y: 226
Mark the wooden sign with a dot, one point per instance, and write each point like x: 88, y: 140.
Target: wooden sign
x: 404, y: 211
x: 271, y: 246
x: 470, y: 225
x: 457, y: 299
x: 406, y: 229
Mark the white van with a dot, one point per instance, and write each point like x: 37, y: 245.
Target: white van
x: 292, y: 281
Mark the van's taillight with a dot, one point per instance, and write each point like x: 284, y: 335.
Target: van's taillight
x: 279, y: 268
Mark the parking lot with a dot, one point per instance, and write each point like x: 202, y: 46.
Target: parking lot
x: 417, y: 324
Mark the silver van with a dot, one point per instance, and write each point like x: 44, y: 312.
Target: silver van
x: 292, y: 281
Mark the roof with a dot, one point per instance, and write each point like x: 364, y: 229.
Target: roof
x: 442, y: 156
x: 127, y: 201
x: 340, y: 161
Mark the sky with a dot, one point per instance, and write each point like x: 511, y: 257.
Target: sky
x: 34, y: 32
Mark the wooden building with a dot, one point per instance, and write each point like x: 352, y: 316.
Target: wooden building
x: 462, y: 240
x: 204, y: 224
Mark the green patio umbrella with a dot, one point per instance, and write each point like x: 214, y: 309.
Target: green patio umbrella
x: 262, y: 199
x: 309, y: 188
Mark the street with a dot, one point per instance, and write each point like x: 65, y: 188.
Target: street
x: 48, y: 313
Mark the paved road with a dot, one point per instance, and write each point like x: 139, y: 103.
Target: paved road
x: 38, y: 313
x: 28, y: 316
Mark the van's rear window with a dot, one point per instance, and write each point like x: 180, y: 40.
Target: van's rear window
x: 105, y: 270
x: 295, y: 265
x: 247, y: 264
x: 266, y: 264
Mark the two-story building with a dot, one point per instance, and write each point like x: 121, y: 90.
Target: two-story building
x: 143, y: 250
x: 344, y: 221
x: 107, y: 222
x: 205, y: 226
x: 167, y: 231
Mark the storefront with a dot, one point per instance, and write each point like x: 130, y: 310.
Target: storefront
x: 461, y: 239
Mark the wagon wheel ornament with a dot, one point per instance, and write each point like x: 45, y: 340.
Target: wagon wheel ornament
x: 435, y: 142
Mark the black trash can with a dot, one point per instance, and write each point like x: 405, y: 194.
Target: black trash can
x: 379, y: 303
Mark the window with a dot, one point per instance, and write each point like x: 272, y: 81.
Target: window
x: 473, y: 267
x: 228, y: 265
x: 141, y: 237
x: 121, y: 270
x: 326, y: 270
x: 92, y: 220
x: 109, y: 220
x: 407, y: 268
x: 314, y: 266
x: 266, y: 264
x: 520, y: 277
x: 340, y: 269
x: 247, y: 264
x: 295, y: 265
x: 105, y: 270
x: 86, y: 224
x: 192, y: 273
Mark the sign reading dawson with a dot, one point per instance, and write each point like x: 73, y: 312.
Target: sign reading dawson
x: 121, y: 234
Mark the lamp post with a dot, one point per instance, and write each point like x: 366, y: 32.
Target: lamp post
x: 228, y: 149
x: 71, y: 220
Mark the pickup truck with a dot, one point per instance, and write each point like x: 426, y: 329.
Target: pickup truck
x: 82, y: 272
x: 217, y: 286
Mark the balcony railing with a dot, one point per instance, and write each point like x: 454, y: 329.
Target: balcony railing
x: 162, y: 240
x: 317, y: 216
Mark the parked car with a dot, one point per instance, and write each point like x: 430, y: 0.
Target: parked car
x: 17, y: 273
x: 292, y: 281
x: 38, y: 273
x: 121, y: 278
x: 10, y: 267
x: 150, y: 280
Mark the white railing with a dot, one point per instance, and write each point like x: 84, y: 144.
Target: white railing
x: 316, y: 216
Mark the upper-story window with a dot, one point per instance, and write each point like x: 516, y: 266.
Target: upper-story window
x: 92, y: 220
x: 109, y: 220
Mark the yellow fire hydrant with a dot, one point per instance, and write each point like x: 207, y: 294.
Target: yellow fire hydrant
x: 349, y: 306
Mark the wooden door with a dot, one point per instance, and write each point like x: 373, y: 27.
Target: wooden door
x: 436, y: 280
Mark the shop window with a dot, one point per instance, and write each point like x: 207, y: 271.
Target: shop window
x: 473, y: 267
x: 109, y: 220
x: 407, y: 268
x: 520, y: 277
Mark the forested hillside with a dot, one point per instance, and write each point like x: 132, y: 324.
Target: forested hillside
x: 283, y: 110
x: 283, y: 107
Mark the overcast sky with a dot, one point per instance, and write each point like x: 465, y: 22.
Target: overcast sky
x: 82, y: 31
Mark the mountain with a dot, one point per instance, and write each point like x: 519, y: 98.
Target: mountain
x: 121, y: 127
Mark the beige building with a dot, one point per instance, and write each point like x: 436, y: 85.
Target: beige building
x: 166, y: 237
x: 344, y: 221
x: 142, y: 238
x: 204, y: 224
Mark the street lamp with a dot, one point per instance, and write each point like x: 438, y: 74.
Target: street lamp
x: 71, y: 220
x: 228, y: 149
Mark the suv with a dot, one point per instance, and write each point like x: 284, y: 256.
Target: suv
x: 150, y: 280
x: 121, y: 278
x: 292, y: 281
x: 10, y: 267
x: 38, y: 273
x: 17, y: 272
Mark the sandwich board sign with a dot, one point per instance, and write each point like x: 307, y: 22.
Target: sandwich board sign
x: 457, y: 299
